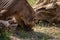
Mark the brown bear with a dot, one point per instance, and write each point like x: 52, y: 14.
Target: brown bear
x: 21, y: 10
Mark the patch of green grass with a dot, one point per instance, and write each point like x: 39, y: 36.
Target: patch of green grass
x: 4, y: 36
x: 32, y: 2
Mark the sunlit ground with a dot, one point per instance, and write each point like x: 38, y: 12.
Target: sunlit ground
x: 52, y: 31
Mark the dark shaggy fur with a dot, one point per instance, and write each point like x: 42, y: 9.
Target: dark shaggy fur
x: 23, y: 13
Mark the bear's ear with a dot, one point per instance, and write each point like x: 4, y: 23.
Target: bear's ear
x: 3, y: 11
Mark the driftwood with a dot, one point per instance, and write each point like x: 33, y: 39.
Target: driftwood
x: 45, y: 3
x: 49, y: 12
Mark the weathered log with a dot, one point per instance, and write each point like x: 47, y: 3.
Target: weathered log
x: 48, y: 4
x: 50, y: 14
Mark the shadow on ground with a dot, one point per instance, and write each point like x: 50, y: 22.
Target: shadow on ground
x: 32, y: 35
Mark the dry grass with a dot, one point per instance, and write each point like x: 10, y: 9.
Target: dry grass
x: 52, y: 31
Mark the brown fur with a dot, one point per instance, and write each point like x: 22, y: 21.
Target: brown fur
x: 23, y: 13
